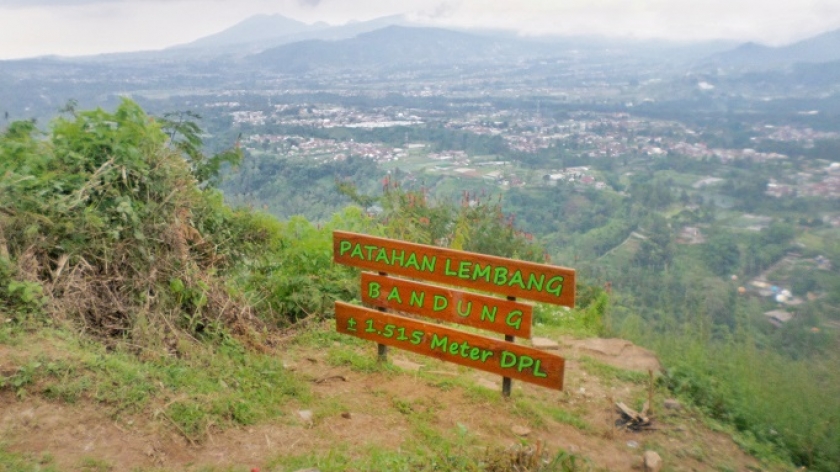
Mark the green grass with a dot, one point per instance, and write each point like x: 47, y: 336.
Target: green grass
x: 11, y: 462
x: 366, y: 361
x: 458, y: 450
x: 208, y: 386
x: 89, y: 464
x: 776, y: 408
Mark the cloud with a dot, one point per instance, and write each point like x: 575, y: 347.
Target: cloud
x: 92, y: 26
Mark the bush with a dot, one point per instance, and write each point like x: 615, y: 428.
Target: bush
x: 103, y: 220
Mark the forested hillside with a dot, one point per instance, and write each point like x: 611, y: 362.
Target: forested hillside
x: 699, y: 252
x: 110, y: 228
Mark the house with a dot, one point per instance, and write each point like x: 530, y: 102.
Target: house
x: 778, y: 317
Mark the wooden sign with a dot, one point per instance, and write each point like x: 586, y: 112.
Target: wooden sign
x: 528, y: 280
x: 492, y: 355
x: 456, y: 306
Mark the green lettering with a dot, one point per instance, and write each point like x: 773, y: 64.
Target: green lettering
x: 453, y: 348
x: 382, y: 255
x: 464, y: 269
x: 500, y: 276
x: 416, y: 337
x: 439, y: 342
x: 524, y: 362
x: 440, y: 303
x: 373, y: 289
x: 343, y: 247
x: 462, y: 313
x: 516, y: 279
x: 395, y: 295
x: 508, y: 359
x: 370, y: 250
x: 412, y: 261
x: 555, y: 285
x: 417, y: 299
x: 357, y: 252
x: 464, y: 347
x: 388, y: 331
x: 394, y: 257
x: 474, y: 353
x: 533, y: 282
x: 514, y: 319
x: 429, y: 263
x: 485, y: 355
x: 479, y: 272
x: 537, y: 372
x: 446, y: 270
x: 487, y: 314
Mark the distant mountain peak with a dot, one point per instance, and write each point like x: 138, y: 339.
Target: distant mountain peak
x: 824, y: 47
x: 255, y: 29
x: 263, y: 31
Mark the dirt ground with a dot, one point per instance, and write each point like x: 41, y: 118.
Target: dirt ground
x: 356, y: 411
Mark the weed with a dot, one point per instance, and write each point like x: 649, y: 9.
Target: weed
x: 89, y: 464
x: 445, y: 384
x: 403, y: 406
x: 481, y: 394
x: 324, y: 336
x: 360, y: 362
x: 526, y: 408
x: 567, y: 417
x: 531, y: 458
x: 11, y: 462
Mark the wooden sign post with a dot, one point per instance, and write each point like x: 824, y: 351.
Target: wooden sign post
x: 511, y: 278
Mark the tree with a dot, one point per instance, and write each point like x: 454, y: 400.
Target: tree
x: 721, y: 254
x: 185, y: 136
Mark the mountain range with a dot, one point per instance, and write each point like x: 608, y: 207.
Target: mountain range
x: 290, y: 45
x: 398, y: 46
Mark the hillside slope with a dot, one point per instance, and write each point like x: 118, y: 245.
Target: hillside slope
x: 341, y: 410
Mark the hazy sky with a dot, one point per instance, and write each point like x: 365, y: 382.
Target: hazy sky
x: 73, y: 27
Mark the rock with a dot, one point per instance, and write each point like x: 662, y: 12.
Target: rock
x: 520, y: 430
x: 616, y: 352
x: 632, y: 444
x: 346, y: 415
x: 481, y: 381
x: 305, y: 415
x: 672, y: 404
x: 545, y: 344
x: 405, y: 364
x: 653, y: 463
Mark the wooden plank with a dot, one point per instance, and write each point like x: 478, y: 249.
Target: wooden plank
x: 521, y: 279
x: 451, y: 345
x: 455, y: 306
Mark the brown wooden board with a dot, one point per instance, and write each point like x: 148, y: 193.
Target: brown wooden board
x: 520, y: 279
x: 492, y: 355
x: 456, y: 306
